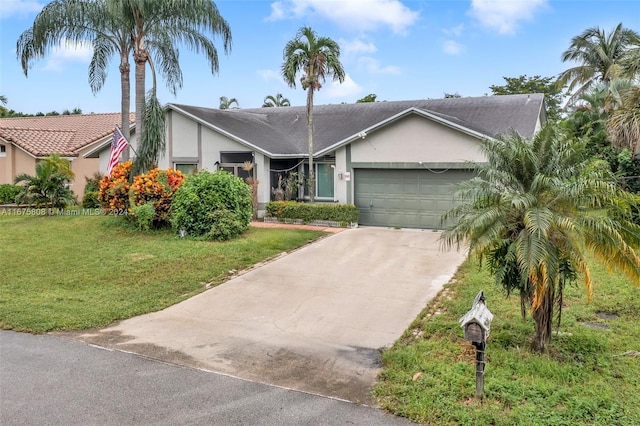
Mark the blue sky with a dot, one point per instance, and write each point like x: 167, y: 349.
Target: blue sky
x: 396, y: 49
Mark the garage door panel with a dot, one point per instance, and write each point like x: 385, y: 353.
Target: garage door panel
x: 405, y: 198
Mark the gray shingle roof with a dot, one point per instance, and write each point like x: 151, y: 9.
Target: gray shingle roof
x: 283, y: 131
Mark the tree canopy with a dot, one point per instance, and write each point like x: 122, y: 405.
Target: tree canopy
x: 535, y: 84
x: 533, y: 211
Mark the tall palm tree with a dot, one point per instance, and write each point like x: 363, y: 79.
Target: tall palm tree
x: 599, y: 56
x: 157, y: 25
x: 78, y: 21
x: 316, y: 58
x: 145, y: 28
x: 533, y: 210
x: 275, y: 101
x: 226, y: 103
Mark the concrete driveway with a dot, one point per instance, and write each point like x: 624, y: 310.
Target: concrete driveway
x: 312, y: 320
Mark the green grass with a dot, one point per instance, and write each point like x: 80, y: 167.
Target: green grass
x: 588, y: 376
x: 78, y: 272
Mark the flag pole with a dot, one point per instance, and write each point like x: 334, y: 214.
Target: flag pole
x: 128, y: 143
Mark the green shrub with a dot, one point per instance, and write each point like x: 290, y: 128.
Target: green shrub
x: 8, y: 193
x: 225, y: 225
x: 92, y: 184
x: 143, y: 215
x: 208, y: 201
x: 90, y: 200
x: 309, y: 212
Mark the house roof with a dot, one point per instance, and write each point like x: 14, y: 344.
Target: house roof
x: 58, y: 134
x: 283, y: 131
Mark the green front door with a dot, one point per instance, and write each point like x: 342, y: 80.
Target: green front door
x: 405, y: 198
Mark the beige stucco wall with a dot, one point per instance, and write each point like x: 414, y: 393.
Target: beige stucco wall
x: 414, y: 139
x: 15, y: 162
x: 82, y: 169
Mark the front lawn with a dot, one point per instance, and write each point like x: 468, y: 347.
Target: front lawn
x: 78, y: 272
x: 590, y: 374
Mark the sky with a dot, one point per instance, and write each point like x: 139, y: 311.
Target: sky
x: 395, y: 49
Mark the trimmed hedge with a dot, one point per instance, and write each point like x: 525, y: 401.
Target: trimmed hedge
x: 8, y: 193
x: 309, y: 212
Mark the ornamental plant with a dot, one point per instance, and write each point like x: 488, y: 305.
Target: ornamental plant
x: 114, y: 189
x: 213, y: 206
x: 155, y: 188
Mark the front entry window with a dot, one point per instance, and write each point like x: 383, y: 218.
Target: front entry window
x: 324, y: 180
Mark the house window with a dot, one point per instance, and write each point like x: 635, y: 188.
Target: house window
x: 3, y: 151
x: 186, y: 168
x: 324, y: 180
x: 234, y: 163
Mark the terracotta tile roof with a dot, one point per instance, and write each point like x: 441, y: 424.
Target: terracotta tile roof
x: 59, y: 134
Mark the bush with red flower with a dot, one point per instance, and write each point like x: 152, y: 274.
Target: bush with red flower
x: 114, y: 189
x: 156, y: 188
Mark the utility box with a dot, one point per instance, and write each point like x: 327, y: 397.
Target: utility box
x: 477, y: 322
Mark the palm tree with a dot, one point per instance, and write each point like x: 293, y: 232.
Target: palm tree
x: 599, y: 56
x: 157, y: 25
x: 144, y: 28
x: 49, y: 186
x: 225, y: 103
x: 623, y: 124
x: 533, y: 210
x: 78, y: 21
x: 275, y: 101
x: 316, y: 58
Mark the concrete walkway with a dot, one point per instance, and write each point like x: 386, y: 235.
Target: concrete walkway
x: 313, y: 320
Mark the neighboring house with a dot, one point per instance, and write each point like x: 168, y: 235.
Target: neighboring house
x: 26, y: 140
x: 396, y: 161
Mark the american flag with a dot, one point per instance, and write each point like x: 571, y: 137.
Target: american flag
x: 118, y: 144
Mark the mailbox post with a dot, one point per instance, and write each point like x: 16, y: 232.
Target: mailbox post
x: 476, y: 325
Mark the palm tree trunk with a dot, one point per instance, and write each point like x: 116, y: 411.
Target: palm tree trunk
x: 543, y: 317
x: 140, y: 57
x: 311, y: 182
x: 125, y: 102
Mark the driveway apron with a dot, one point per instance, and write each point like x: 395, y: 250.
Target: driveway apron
x: 313, y: 320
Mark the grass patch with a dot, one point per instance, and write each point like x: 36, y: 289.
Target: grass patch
x: 590, y: 374
x: 78, y: 272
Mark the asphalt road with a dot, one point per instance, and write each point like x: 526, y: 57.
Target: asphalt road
x: 53, y: 380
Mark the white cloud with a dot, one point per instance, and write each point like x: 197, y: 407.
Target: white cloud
x: 10, y: 8
x: 277, y: 11
x: 454, y: 31
x: 356, y: 46
x: 347, y: 89
x: 270, y: 75
x: 373, y: 66
x: 504, y: 15
x: 68, y: 52
x: 357, y: 15
x: 451, y: 47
